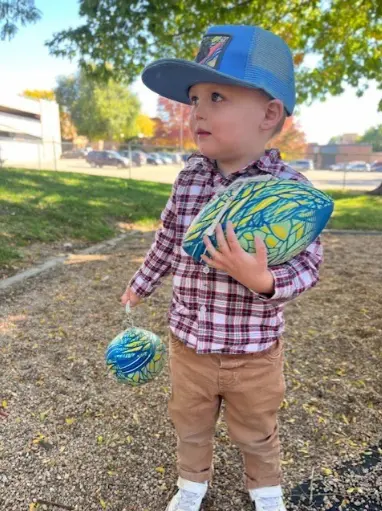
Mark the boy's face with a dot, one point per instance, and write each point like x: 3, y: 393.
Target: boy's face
x: 226, y: 120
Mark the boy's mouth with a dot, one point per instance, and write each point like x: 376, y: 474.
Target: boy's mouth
x: 202, y: 133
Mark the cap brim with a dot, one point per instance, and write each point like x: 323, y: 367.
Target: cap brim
x: 172, y: 78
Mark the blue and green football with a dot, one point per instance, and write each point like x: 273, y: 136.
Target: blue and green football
x: 288, y: 215
x: 135, y: 356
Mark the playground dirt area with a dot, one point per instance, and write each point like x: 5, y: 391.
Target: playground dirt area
x: 73, y: 438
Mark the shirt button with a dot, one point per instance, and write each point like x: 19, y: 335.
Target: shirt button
x: 206, y: 269
x: 203, y: 308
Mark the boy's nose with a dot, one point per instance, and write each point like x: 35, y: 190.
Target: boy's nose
x: 200, y: 113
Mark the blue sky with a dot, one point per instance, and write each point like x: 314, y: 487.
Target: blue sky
x: 26, y: 64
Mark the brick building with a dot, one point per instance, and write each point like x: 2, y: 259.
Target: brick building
x: 326, y: 155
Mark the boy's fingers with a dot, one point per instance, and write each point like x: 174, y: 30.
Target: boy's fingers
x: 233, y: 242
x: 220, y: 238
x: 125, y: 298
x: 209, y: 246
x: 261, y: 251
x: 209, y: 261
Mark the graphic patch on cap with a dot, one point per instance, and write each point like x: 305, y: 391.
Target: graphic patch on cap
x: 212, y: 49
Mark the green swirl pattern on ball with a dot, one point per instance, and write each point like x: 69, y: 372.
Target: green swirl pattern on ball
x: 135, y: 356
x: 287, y: 215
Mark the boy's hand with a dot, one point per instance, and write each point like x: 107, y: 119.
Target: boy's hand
x: 251, y: 270
x: 130, y: 296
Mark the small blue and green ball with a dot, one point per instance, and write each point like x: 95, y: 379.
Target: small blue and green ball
x: 136, y: 356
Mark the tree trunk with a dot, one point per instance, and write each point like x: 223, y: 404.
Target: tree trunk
x: 377, y: 191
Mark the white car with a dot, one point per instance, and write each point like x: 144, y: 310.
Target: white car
x: 338, y: 166
x: 165, y: 158
x: 358, y: 166
x: 175, y: 157
x: 302, y: 164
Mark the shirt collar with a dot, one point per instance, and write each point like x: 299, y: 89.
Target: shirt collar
x: 270, y: 162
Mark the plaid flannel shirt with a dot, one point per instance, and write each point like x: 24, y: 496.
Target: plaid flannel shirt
x: 210, y: 311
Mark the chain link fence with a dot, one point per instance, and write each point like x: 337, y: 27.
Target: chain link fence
x: 349, y: 170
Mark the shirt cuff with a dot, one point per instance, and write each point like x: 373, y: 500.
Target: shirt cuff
x: 140, y: 286
x: 283, y: 285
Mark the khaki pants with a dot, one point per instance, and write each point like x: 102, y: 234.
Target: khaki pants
x: 252, y: 386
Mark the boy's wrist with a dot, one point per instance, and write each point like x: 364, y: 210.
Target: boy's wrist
x: 264, y: 284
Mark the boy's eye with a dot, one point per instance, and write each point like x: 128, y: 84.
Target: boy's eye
x: 216, y: 97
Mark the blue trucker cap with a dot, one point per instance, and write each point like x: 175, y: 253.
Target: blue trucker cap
x: 243, y: 55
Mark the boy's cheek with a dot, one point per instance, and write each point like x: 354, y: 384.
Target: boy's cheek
x: 191, y: 125
x: 192, y: 122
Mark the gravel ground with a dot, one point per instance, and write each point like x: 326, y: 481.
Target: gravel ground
x: 75, y: 438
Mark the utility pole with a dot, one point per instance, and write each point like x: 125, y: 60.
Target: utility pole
x: 181, y: 127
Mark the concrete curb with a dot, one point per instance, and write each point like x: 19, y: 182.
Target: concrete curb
x: 57, y: 261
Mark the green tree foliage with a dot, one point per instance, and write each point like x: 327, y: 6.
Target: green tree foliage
x: 14, y: 13
x: 342, y: 39
x: 99, y: 111
x: 373, y: 136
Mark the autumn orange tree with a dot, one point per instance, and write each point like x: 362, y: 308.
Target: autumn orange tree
x: 171, y: 125
x: 290, y: 141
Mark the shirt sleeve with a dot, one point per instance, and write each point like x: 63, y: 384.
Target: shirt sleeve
x: 297, y: 275
x: 157, y: 263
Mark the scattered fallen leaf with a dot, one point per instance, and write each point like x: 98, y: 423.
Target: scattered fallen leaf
x: 287, y: 462
x: 38, y: 438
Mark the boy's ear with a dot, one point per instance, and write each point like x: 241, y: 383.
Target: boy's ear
x: 274, y: 112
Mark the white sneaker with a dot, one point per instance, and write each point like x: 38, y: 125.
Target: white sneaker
x: 269, y: 498
x: 189, y: 497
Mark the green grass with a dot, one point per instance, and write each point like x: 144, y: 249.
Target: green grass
x: 356, y: 210
x: 43, y: 206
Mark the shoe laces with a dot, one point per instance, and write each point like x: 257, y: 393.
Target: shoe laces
x: 270, y: 503
x: 187, y: 500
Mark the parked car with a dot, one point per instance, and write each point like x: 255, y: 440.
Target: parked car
x: 338, y: 166
x: 138, y: 157
x: 154, y: 159
x: 111, y: 158
x: 74, y: 154
x: 302, y: 164
x: 176, y: 157
x: 358, y: 166
x: 165, y: 158
x: 376, y: 166
x: 171, y: 157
